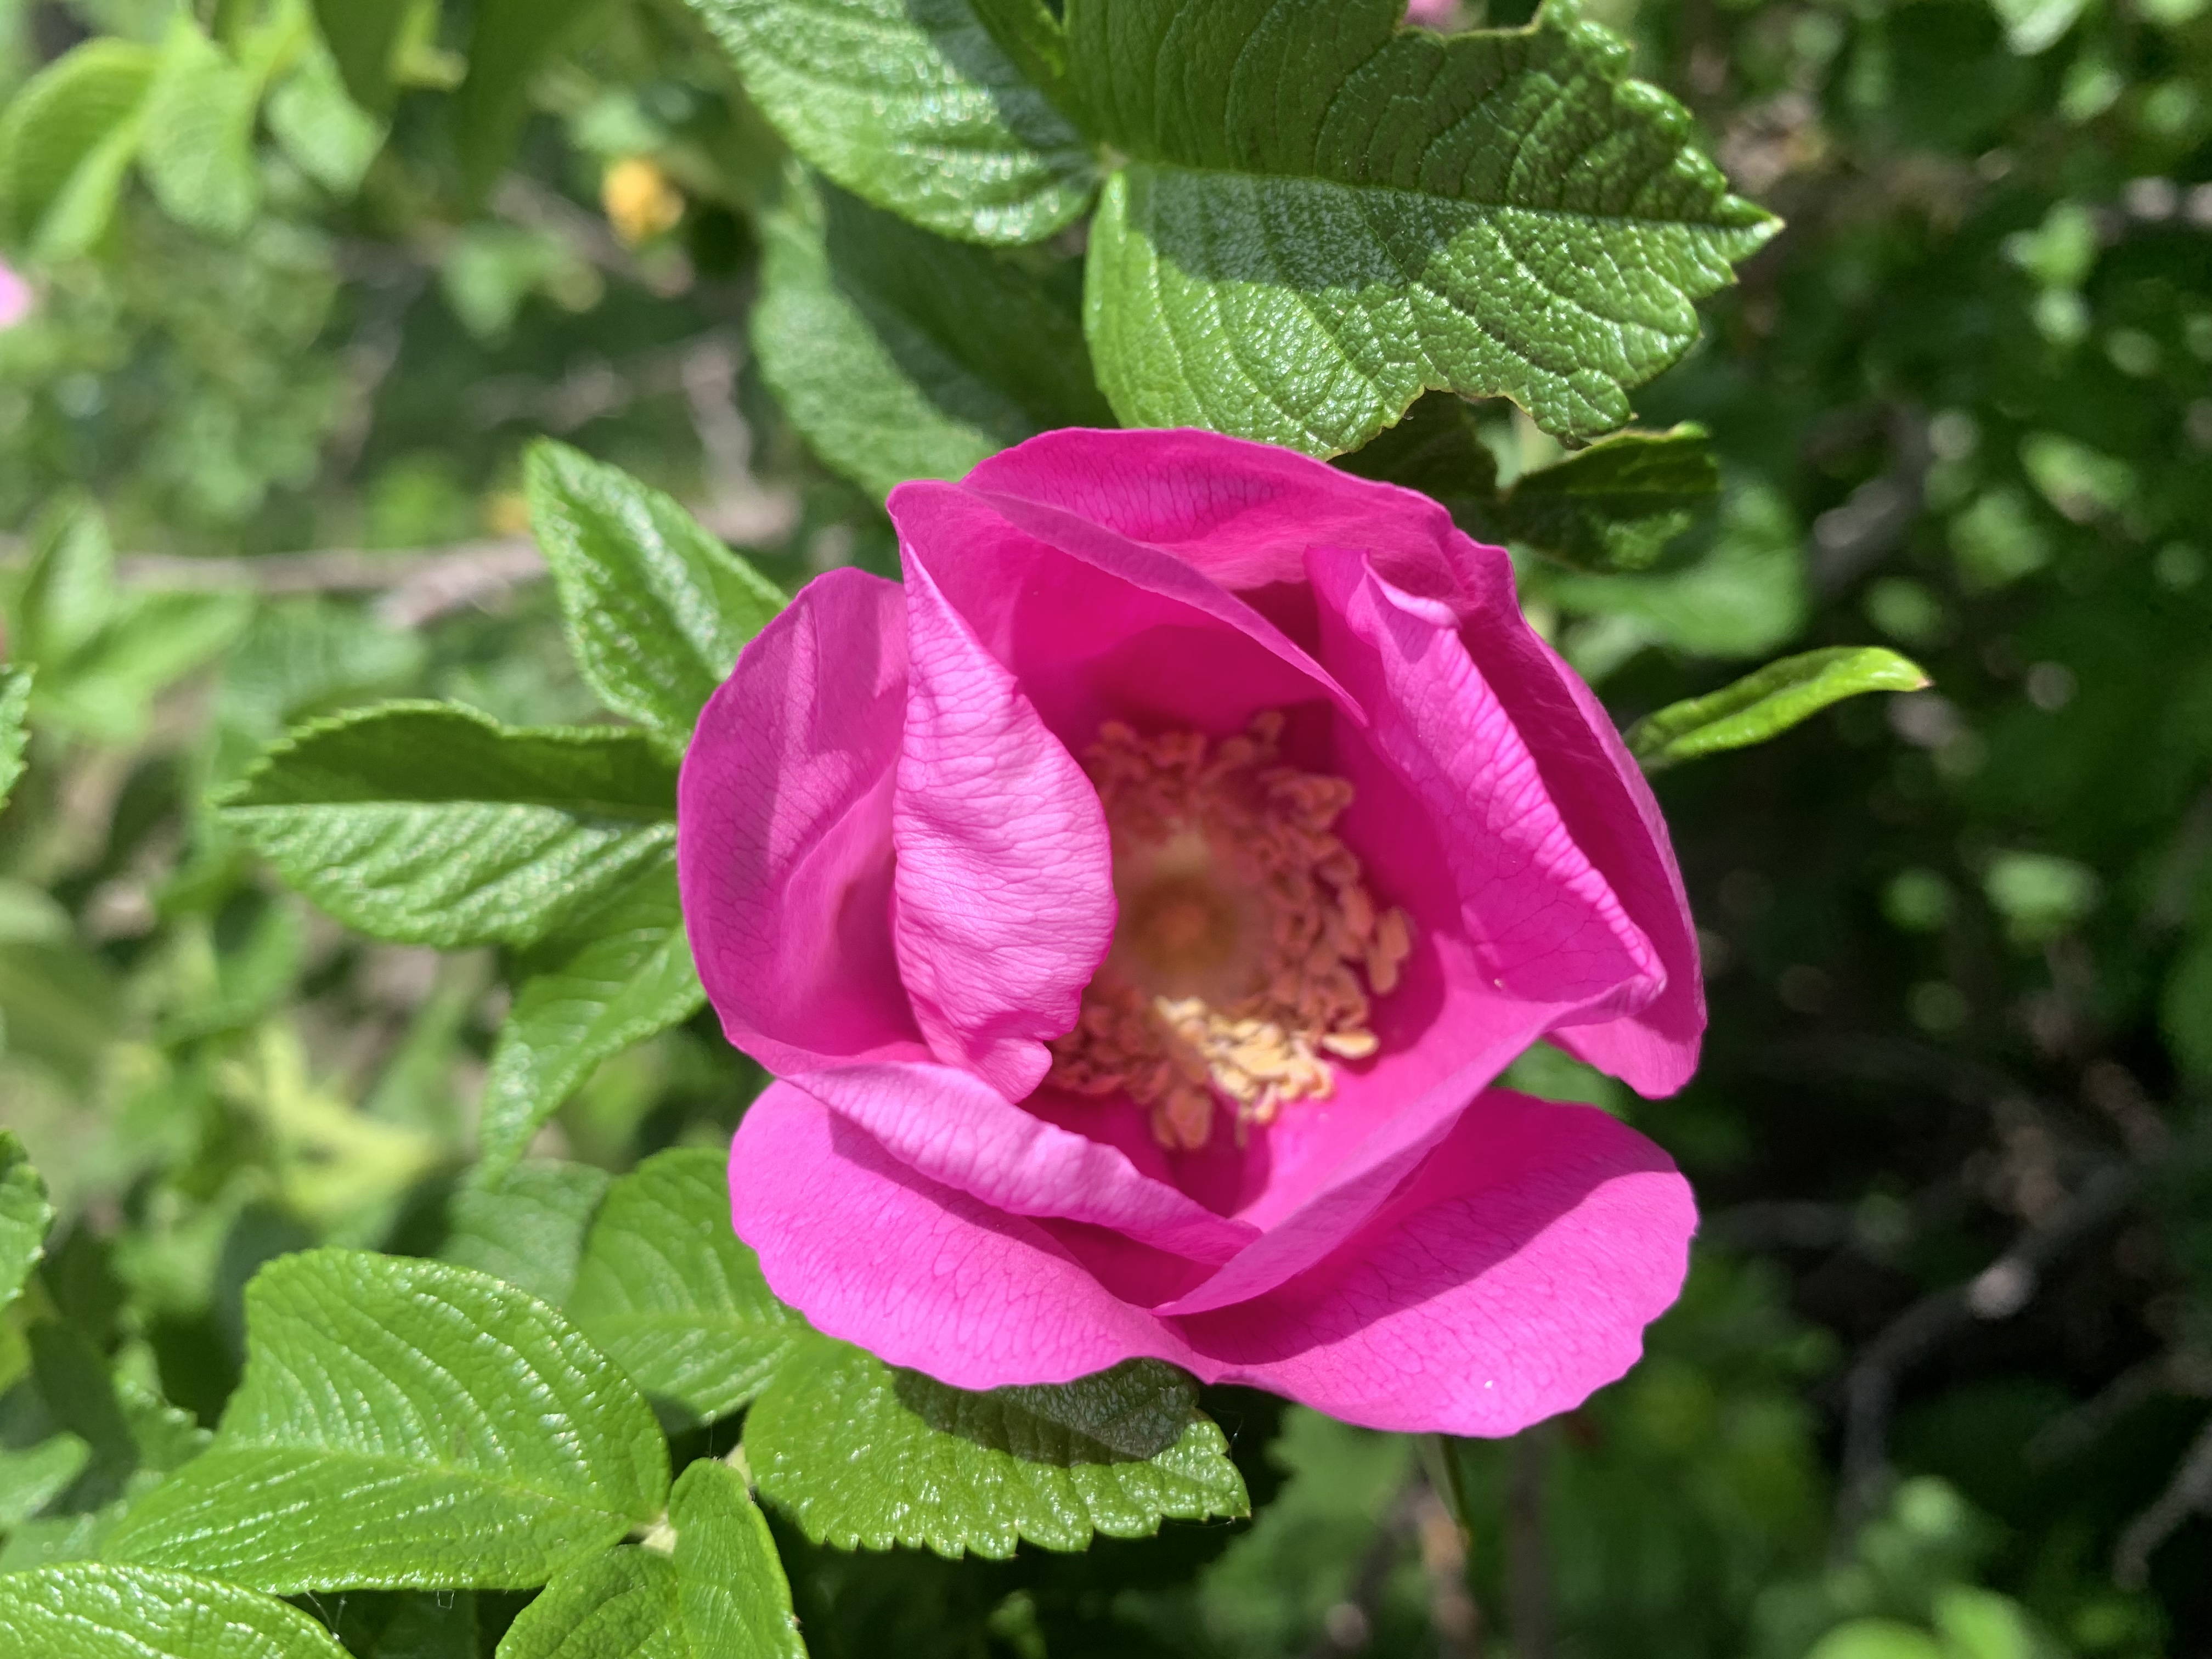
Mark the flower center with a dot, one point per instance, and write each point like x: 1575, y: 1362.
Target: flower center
x: 1235, y: 974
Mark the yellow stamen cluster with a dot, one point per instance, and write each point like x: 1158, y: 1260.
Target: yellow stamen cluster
x: 1245, y: 926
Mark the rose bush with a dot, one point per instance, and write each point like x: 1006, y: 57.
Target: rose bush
x: 1137, y: 905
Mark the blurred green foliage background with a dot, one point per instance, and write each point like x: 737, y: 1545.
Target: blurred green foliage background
x: 1940, y: 1386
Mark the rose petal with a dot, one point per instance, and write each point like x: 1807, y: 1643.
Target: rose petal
x: 1005, y: 876
x: 1088, y: 622
x: 1240, y: 512
x: 1513, y: 1279
x: 783, y: 843
x: 1544, y: 918
x: 953, y: 1128
x: 875, y: 1253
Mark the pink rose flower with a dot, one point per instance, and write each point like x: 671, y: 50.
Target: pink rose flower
x: 1137, y: 905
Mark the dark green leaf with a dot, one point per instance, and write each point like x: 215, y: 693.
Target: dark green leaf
x: 405, y: 1424
x: 363, y: 36
x: 407, y: 1625
x: 526, y: 1226
x: 94, y: 1611
x: 197, y: 148
x: 900, y: 354
x: 433, y: 824
x: 1616, y: 504
x: 668, y: 1291
x: 863, y: 1456
x: 65, y: 142
x: 24, y: 1215
x: 614, y: 978
x: 510, y: 43
x: 718, y: 1591
x: 916, y: 106
x: 657, y: 608
x: 15, y: 736
x: 1767, y: 703
x: 1323, y: 214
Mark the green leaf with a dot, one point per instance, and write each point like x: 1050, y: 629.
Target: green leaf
x: 1747, y: 595
x: 65, y: 139
x: 916, y: 106
x: 24, y: 1215
x: 93, y: 1611
x: 613, y: 979
x: 198, y: 149
x: 15, y: 736
x: 526, y: 1227
x: 33, y: 1477
x: 657, y: 608
x: 510, y: 42
x: 719, y: 1591
x: 405, y: 1424
x: 1323, y: 214
x: 68, y: 594
x: 1612, y: 507
x: 667, y: 1289
x: 899, y: 355
x: 328, y: 136
x: 1767, y: 703
x: 363, y: 36
x: 859, y: 1455
x: 430, y: 823
x: 106, y: 691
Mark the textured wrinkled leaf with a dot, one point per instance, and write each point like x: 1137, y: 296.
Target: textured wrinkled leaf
x: 33, y: 1477
x: 657, y: 608
x: 510, y: 41
x: 197, y: 151
x: 1323, y: 214
x: 623, y: 973
x: 1611, y: 506
x: 1614, y: 505
x: 1767, y: 703
x: 670, y: 1292
x: 24, y: 1215
x: 405, y: 1424
x: 15, y: 736
x: 65, y: 142
x: 526, y: 1226
x: 916, y: 106
x: 720, y: 1591
x: 430, y: 823
x: 900, y: 354
x: 329, y: 137
x: 91, y: 1610
x: 860, y: 1454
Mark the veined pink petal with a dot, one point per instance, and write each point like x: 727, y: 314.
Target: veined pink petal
x: 918, y: 1273
x: 1546, y: 922
x: 783, y: 845
x: 1608, y: 808
x: 956, y: 1129
x: 1085, y: 619
x: 1239, y: 513
x: 1005, y: 884
x: 1513, y: 1279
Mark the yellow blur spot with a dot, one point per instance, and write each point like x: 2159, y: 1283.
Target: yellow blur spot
x: 507, y: 513
x: 639, y: 201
